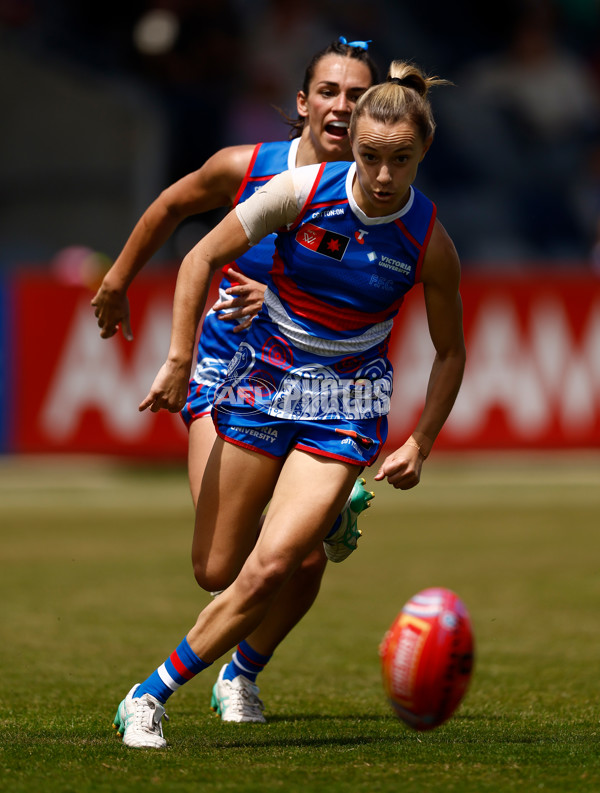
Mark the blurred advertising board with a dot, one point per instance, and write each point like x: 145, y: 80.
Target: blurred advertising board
x: 80, y: 393
x: 6, y: 366
x: 532, y: 379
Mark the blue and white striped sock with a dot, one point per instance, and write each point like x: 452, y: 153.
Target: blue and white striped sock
x: 182, y: 665
x: 245, y: 661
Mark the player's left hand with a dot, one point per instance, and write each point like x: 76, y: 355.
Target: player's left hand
x: 245, y: 302
x: 402, y: 468
x: 169, y: 389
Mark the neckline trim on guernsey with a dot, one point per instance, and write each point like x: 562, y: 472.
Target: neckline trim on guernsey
x: 293, y: 153
x: 365, y: 218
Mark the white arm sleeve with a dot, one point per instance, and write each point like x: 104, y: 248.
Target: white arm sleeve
x: 276, y: 204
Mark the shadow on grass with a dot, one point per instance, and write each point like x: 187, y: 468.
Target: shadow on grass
x: 291, y: 718
x: 282, y: 742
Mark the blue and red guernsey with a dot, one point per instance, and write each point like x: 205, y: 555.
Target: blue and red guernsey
x: 338, y: 280
x: 338, y: 276
x: 268, y: 159
x: 218, y: 343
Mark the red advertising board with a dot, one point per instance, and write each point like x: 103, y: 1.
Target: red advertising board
x: 532, y: 378
x: 80, y: 393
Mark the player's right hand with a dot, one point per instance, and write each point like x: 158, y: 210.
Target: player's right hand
x: 112, y: 310
x: 169, y: 389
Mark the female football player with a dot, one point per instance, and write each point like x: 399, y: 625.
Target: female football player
x: 334, y: 79
x: 352, y: 239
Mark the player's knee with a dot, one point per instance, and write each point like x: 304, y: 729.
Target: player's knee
x: 312, y: 568
x: 261, y: 581
x: 211, y: 578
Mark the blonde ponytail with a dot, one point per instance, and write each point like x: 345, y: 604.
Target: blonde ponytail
x: 402, y: 97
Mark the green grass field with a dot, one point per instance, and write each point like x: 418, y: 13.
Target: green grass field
x: 97, y: 589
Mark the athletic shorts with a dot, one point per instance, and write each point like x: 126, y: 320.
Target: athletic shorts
x: 355, y: 442
x: 210, y: 372
x: 197, y: 404
x: 216, y: 347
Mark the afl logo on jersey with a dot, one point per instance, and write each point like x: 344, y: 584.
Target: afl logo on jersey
x: 319, y: 240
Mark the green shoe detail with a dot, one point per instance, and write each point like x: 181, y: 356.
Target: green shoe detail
x: 118, y: 725
x: 214, y: 701
x: 339, y: 545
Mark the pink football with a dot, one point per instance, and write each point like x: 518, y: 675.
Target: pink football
x: 427, y: 658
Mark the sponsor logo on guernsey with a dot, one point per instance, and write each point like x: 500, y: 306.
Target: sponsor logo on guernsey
x: 360, y: 236
x: 387, y: 284
x: 327, y: 213
x: 319, y: 240
x: 394, y: 264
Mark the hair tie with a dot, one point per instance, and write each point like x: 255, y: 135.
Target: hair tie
x: 361, y: 45
x: 398, y: 81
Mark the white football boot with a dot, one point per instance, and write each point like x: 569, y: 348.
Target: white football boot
x: 339, y: 545
x: 237, y: 699
x: 139, y: 721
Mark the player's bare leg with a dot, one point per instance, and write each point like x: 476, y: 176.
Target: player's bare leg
x: 293, y: 602
x: 293, y: 528
x: 201, y: 436
x: 229, y: 508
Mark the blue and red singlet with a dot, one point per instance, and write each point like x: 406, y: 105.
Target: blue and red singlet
x: 217, y: 343
x: 317, y: 351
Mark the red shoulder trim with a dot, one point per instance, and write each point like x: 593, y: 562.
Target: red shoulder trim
x: 246, y: 178
x: 425, y: 245
x: 313, y: 190
x: 422, y: 248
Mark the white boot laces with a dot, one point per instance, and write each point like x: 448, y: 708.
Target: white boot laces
x: 148, y: 715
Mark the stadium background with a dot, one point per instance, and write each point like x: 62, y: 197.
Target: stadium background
x: 103, y: 106
x: 96, y: 584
